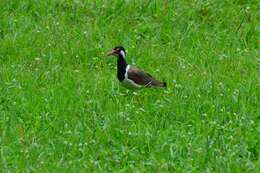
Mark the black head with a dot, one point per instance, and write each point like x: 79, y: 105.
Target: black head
x: 118, y: 51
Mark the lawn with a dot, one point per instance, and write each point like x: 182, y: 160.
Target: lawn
x: 63, y: 110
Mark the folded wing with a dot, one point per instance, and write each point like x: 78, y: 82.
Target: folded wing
x: 140, y: 77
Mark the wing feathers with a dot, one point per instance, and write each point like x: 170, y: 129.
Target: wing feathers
x: 140, y: 77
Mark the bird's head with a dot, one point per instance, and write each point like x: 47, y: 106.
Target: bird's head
x: 118, y: 51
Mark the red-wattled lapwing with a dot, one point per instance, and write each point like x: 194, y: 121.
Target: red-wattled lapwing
x: 131, y: 76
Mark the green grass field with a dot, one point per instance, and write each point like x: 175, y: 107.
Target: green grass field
x: 63, y: 110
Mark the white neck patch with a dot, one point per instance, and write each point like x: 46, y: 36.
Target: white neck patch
x: 122, y: 53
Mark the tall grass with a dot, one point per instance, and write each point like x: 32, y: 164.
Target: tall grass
x: 63, y: 110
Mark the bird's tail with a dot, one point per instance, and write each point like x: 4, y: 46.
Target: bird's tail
x: 164, y: 84
x: 157, y: 83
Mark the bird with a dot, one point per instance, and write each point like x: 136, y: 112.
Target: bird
x: 130, y: 76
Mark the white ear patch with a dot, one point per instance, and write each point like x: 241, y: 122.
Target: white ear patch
x: 122, y: 53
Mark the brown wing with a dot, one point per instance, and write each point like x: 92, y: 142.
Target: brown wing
x: 140, y: 77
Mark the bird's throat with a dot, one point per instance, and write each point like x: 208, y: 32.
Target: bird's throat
x: 121, y: 68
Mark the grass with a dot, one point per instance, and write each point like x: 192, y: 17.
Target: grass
x: 63, y: 110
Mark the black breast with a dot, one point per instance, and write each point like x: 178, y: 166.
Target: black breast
x: 121, y: 68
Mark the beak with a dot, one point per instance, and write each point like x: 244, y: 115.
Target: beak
x: 113, y: 51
